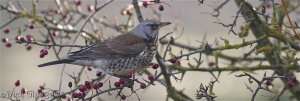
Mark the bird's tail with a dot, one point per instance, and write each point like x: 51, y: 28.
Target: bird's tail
x: 56, y: 62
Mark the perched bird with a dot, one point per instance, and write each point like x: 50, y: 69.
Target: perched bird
x: 125, y: 53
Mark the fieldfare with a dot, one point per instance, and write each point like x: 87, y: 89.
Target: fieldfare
x: 125, y: 53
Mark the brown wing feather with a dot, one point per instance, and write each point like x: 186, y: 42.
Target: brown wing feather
x: 127, y: 44
x: 121, y: 45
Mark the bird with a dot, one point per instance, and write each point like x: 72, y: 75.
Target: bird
x: 125, y: 53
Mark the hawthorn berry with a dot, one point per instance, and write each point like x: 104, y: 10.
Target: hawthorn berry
x: 8, y: 44
x: 29, y: 38
x: 28, y: 47
x: 82, y: 88
x: 17, y: 83
x: 75, y: 95
x: 40, y: 91
x: 55, y: 33
x: 98, y: 74
x: 6, y: 30
x: 121, y: 81
x: 42, y: 87
x: 63, y: 96
x: 154, y: 66
x: 100, y: 84
x: 70, y: 84
x: 117, y: 84
x: 31, y: 26
x: 82, y: 94
x: 96, y: 85
x: 20, y: 39
x: 90, y: 8
x: 42, y: 55
x: 4, y: 40
x: 23, y: 91
x: 77, y: 2
x: 89, y: 68
x: 88, y: 84
x: 142, y: 85
x: 161, y: 7
x: 290, y: 84
x: 150, y: 77
x: 269, y: 82
x: 129, y: 75
x: 210, y: 64
x: 145, y: 4
x: 123, y: 97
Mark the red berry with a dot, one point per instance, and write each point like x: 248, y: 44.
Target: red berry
x: 20, y: 39
x: 42, y: 87
x: 173, y: 60
x: 210, y: 64
x: 42, y: 55
x: 145, y: 4
x: 155, y: 66
x: 8, y: 44
x: 123, y: 97
x: 117, y: 84
x: 98, y: 74
x: 77, y: 2
x: 82, y: 94
x: 82, y: 88
x: 31, y: 26
x: 28, y: 48
x: 63, y: 96
x: 142, y: 85
x: 23, y: 91
x: 29, y: 38
x: 88, y: 84
x: 6, y: 30
x: 44, y: 51
x: 17, y: 83
x: 55, y: 33
x: 4, y: 40
x: 100, y: 84
x: 161, y: 8
x: 40, y: 91
x: 290, y: 84
x: 70, y: 84
x: 121, y: 81
x: 89, y: 68
x: 129, y: 75
x: 150, y: 77
x: 90, y: 8
x: 96, y: 86
x: 269, y: 82
x: 75, y: 95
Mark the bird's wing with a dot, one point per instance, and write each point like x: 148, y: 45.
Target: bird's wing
x: 120, y: 46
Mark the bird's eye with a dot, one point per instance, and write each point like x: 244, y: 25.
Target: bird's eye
x: 153, y: 26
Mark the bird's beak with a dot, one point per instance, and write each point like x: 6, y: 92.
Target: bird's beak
x: 162, y: 24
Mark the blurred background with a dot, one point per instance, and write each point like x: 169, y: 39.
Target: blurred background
x: 19, y: 64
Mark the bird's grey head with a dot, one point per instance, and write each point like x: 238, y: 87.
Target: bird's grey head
x: 148, y: 28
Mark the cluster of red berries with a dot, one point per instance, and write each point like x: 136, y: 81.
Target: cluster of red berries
x: 40, y: 91
x: 17, y: 84
x: 160, y: 7
x: 43, y: 53
x: 6, y: 42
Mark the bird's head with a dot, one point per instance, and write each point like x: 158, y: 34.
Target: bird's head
x: 148, y: 28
